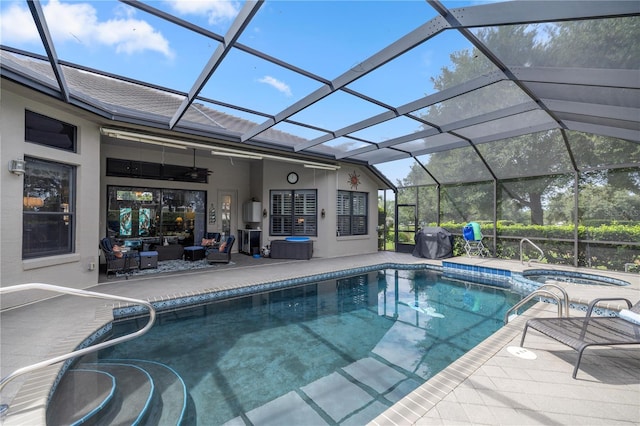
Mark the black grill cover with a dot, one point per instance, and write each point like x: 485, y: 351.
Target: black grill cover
x: 433, y: 243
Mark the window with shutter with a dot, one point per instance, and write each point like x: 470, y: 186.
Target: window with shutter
x: 351, y: 213
x: 294, y: 212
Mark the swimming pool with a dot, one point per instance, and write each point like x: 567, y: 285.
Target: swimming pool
x: 332, y: 352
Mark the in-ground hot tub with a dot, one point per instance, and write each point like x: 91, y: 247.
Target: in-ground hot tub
x: 543, y: 275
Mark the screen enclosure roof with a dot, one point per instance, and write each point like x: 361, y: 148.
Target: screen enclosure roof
x: 391, y: 84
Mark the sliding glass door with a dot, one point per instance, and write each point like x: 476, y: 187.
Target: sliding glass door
x: 153, y: 214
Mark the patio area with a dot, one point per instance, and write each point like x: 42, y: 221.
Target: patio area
x: 178, y: 266
x: 489, y: 385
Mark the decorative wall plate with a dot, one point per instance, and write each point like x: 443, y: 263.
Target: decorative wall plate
x: 354, y: 180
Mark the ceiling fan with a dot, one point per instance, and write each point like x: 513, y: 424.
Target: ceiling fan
x: 198, y: 173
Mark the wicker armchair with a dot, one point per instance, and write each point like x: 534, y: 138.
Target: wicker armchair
x: 118, y: 262
x: 221, y: 254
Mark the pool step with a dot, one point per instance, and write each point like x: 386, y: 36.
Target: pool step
x: 132, y: 392
x: 353, y: 395
x: 80, y: 396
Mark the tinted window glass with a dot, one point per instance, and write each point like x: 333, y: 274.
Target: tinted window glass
x: 48, y: 131
x: 48, y: 209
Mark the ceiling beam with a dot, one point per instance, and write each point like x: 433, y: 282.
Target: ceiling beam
x: 402, y: 45
x: 531, y: 12
x: 47, y: 41
x: 247, y: 12
x: 426, y: 101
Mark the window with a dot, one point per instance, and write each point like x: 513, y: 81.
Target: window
x: 49, y: 131
x: 352, y: 213
x: 294, y: 213
x: 48, y: 209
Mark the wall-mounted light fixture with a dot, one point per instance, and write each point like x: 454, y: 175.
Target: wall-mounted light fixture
x: 229, y: 152
x: 264, y: 213
x: 17, y: 167
x: 237, y: 155
x: 321, y: 166
x: 323, y: 213
x: 152, y: 139
x: 138, y: 137
x: 216, y: 150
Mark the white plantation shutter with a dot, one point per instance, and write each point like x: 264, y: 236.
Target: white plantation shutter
x: 294, y: 213
x: 351, y: 212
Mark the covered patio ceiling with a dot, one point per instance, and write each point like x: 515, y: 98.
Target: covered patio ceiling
x: 381, y: 108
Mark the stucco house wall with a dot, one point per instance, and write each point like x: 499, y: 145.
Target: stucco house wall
x: 70, y: 270
x: 327, y: 183
x: 243, y: 179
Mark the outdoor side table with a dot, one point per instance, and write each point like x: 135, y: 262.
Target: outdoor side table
x: 148, y: 259
x: 194, y: 253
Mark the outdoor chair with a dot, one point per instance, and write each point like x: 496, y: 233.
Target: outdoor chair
x: 222, y: 253
x: 118, y: 261
x: 473, y: 240
x: 214, y: 236
x: 580, y: 333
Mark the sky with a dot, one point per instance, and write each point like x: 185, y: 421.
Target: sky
x: 325, y: 38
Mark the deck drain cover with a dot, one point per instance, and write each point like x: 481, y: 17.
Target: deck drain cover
x: 521, y: 352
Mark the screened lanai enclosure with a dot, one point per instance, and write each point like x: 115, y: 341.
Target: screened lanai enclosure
x: 523, y: 116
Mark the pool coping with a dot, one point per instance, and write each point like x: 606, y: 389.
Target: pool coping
x: 418, y: 403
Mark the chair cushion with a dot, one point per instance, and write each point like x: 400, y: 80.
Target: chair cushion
x: 223, y: 247
x: 116, y: 249
x: 106, y: 243
x: 208, y: 242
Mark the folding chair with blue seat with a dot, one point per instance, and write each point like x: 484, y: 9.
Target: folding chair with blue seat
x: 473, y: 240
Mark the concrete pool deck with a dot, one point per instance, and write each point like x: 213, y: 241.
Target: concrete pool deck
x: 488, y: 385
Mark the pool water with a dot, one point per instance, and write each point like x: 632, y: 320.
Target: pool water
x: 334, y: 352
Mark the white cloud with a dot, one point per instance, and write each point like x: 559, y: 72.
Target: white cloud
x: 132, y: 36
x: 216, y: 11
x: 277, y: 84
x: 78, y: 23
x: 16, y: 25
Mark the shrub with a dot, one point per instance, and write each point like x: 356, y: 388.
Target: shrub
x: 601, y: 245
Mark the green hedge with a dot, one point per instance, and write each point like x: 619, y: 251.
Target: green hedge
x: 609, y: 232
x: 590, y: 254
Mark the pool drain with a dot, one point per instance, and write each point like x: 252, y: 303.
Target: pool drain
x: 521, y: 352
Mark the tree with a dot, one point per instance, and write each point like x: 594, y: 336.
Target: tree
x: 543, y: 154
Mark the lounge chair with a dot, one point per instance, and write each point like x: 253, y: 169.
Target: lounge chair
x: 222, y: 253
x: 580, y: 333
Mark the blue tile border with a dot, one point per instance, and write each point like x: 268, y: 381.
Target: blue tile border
x: 208, y: 296
x: 479, y: 274
x: 502, y: 278
x: 95, y: 337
